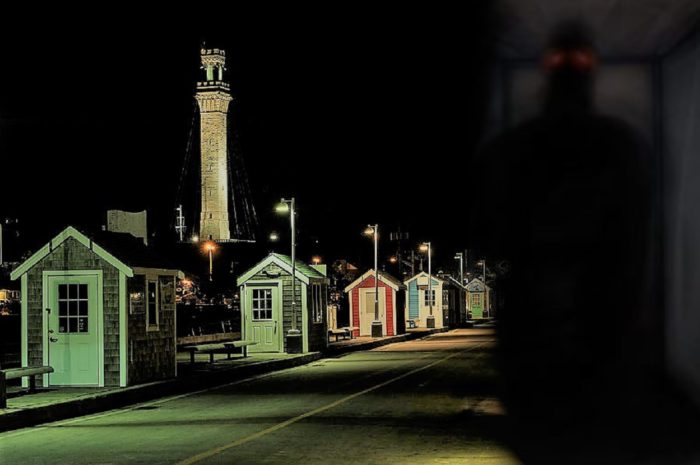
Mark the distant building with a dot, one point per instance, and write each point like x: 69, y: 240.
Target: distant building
x: 100, y: 312
x: 134, y: 223
x: 361, y: 293
x: 266, y: 305
x: 478, y: 300
x: 419, y: 296
x: 8, y: 296
x: 454, y: 302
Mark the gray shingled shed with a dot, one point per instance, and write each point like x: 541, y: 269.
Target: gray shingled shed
x: 94, y: 315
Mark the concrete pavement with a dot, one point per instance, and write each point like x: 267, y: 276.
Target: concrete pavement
x: 425, y: 401
x: 57, y: 404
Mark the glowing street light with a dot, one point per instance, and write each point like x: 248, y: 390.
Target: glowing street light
x: 316, y: 260
x: 209, y: 247
x: 287, y: 206
x: 283, y: 207
x: 274, y: 237
x: 426, y: 247
x: 373, y: 231
x: 393, y: 259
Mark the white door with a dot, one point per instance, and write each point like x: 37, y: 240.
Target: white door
x: 73, y: 337
x: 367, y: 312
x: 263, y: 318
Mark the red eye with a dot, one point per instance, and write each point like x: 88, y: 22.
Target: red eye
x: 554, y: 59
x: 582, y: 60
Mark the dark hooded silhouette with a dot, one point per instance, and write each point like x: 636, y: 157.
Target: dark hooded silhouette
x: 567, y: 202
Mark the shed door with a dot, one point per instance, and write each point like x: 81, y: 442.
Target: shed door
x: 73, y: 349
x: 264, y: 320
x: 367, y: 312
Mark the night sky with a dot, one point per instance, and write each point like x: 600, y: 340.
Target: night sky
x: 365, y: 115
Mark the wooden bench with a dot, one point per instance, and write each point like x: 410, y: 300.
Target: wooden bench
x: 351, y: 330
x: 243, y: 345
x: 339, y: 332
x: 15, y: 373
x: 226, y: 347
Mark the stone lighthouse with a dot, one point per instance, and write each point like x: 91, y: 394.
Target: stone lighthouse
x: 213, y: 98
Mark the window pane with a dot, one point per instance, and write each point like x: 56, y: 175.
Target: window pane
x: 72, y: 307
x: 62, y: 308
x: 72, y: 325
x: 82, y: 325
x: 72, y: 291
x: 62, y: 291
x: 83, y: 307
x: 82, y: 291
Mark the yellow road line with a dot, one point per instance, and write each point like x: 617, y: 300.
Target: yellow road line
x: 217, y: 450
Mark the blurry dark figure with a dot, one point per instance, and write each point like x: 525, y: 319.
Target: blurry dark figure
x: 567, y: 203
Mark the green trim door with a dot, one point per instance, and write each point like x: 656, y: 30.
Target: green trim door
x: 73, y: 338
x: 477, y: 305
x: 263, y: 318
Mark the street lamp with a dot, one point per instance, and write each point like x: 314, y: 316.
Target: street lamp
x: 460, y: 256
x: 294, y: 340
x: 373, y: 230
x: 209, y: 247
x: 274, y: 237
x: 316, y: 260
x: 483, y: 272
x: 426, y: 247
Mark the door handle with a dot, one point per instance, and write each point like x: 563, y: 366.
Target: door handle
x: 275, y: 326
x: 53, y: 339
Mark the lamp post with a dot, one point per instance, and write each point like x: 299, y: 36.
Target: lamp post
x: 373, y: 230
x: 209, y: 248
x: 459, y: 256
x: 430, y: 321
x: 294, y: 339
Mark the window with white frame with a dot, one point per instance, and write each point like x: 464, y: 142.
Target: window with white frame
x: 262, y: 304
x: 317, y: 303
x: 476, y: 299
x: 152, y: 304
x: 429, y: 297
x: 72, y: 308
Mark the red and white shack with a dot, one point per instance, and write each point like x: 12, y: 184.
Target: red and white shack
x: 361, y: 294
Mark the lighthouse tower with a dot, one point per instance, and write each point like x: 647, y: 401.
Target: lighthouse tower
x: 213, y: 98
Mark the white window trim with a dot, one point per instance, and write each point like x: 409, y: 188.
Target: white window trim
x: 150, y: 326
x: 426, y: 300
x: 265, y: 309
x: 317, y: 304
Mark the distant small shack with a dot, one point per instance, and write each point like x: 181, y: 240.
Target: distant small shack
x: 100, y: 312
x: 420, y: 296
x: 361, y: 294
x: 454, y: 302
x: 266, y: 304
x: 478, y: 300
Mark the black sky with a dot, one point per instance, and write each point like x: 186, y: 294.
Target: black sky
x: 364, y: 114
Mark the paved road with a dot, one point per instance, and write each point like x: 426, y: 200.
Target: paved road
x: 419, y: 402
